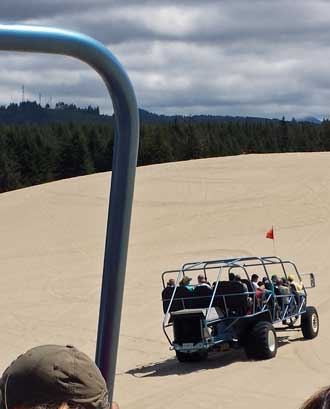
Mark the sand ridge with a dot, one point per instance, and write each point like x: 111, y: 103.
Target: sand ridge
x: 51, y: 253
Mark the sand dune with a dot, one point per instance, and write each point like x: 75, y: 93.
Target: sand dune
x: 51, y: 253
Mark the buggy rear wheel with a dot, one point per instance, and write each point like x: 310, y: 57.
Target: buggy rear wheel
x: 261, y: 342
x: 191, y: 357
x: 310, y: 323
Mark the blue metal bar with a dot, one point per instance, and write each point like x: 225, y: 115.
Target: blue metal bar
x: 57, y: 41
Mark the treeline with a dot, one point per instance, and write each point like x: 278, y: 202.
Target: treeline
x: 34, y: 154
x: 29, y: 107
x: 32, y: 112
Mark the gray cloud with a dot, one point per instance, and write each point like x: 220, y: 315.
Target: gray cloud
x: 222, y: 57
x: 18, y: 10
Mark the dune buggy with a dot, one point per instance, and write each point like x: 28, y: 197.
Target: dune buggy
x: 231, y: 313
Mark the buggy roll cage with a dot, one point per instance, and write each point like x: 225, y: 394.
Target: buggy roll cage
x: 57, y: 41
x: 228, y: 264
x: 231, y: 263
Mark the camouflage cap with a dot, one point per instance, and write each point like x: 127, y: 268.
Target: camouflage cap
x: 53, y: 373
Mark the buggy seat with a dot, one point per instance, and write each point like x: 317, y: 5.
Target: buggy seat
x: 231, y: 297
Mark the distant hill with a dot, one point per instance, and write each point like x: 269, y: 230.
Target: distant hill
x: 32, y: 112
x: 149, y: 117
x: 310, y: 119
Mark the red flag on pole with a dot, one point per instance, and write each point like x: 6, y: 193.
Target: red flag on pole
x: 270, y: 234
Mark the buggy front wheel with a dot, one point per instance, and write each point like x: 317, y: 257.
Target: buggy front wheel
x: 310, y: 323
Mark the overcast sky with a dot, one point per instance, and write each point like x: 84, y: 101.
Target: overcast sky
x: 228, y: 57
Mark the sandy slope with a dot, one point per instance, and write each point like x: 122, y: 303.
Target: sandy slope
x: 51, y: 251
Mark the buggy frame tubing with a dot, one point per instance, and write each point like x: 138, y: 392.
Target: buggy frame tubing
x: 57, y: 41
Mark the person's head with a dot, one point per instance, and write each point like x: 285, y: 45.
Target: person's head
x: 285, y: 281
x: 171, y: 282
x: 185, y: 281
x: 291, y: 278
x: 274, y: 278
x: 254, y: 278
x: 279, y: 281
x: 320, y: 400
x: 231, y: 276
x: 53, y: 377
x: 201, y: 279
x: 261, y: 285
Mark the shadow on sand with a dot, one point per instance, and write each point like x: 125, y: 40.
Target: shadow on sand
x: 173, y: 367
x: 215, y: 360
x: 287, y: 339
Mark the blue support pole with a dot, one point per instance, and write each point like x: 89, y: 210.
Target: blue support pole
x: 57, y: 41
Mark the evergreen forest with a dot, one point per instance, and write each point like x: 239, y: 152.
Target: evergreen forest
x: 36, y: 153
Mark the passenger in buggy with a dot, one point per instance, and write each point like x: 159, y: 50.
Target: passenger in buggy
x: 231, y: 276
x: 260, y: 290
x: 238, y: 278
x: 201, y: 281
x: 269, y: 296
x: 296, y: 286
x: 254, y: 281
x: 297, y: 290
x: 283, y: 292
x: 170, y: 283
x: 185, y: 282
